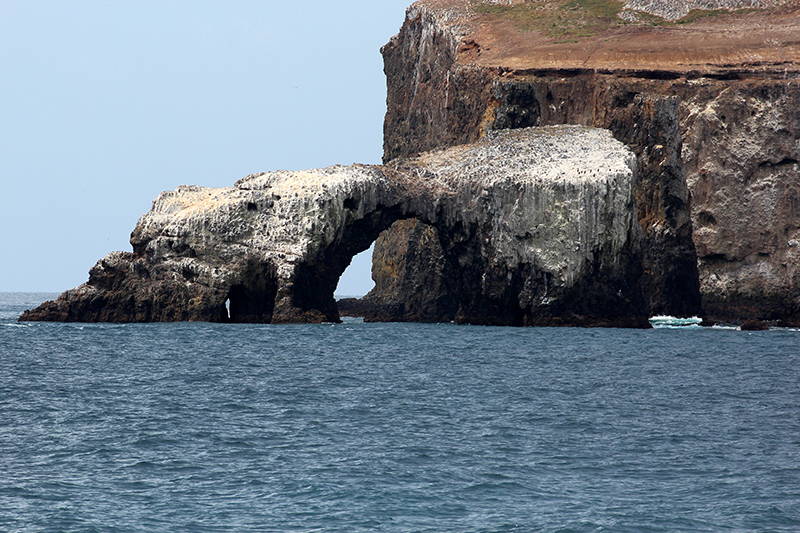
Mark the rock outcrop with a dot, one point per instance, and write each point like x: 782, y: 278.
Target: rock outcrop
x: 269, y: 249
x: 671, y: 10
x: 742, y: 156
x: 534, y: 226
x: 709, y: 107
x: 544, y: 248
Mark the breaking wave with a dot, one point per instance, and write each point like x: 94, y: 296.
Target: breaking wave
x: 665, y: 321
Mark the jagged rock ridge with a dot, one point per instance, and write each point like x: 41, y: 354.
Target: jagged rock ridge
x: 536, y: 226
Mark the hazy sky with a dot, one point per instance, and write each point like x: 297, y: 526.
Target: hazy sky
x: 104, y: 104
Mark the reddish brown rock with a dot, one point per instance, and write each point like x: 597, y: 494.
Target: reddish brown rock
x: 754, y: 325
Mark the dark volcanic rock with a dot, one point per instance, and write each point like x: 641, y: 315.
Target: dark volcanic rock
x: 534, y: 227
x: 420, y: 294
x: 709, y: 108
x: 754, y: 325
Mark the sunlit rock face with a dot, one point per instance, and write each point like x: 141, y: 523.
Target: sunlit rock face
x: 677, y: 9
x: 535, y: 226
x: 742, y: 154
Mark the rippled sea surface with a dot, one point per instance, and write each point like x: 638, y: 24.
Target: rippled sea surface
x: 355, y: 427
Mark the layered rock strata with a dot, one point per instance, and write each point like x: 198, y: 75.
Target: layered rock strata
x: 710, y: 109
x: 534, y: 226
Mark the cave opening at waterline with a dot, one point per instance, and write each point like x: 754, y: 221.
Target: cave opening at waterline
x: 252, y: 299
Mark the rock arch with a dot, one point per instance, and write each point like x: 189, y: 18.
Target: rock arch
x: 534, y: 226
x: 309, y: 296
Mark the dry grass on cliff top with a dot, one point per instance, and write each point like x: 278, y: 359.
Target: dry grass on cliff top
x: 581, y: 18
x: 526, y: 35
x: 558, y: 17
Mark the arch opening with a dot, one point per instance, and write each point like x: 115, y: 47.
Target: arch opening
x: 315, y: 282
x: 409, y: 268
x: 356, y: 280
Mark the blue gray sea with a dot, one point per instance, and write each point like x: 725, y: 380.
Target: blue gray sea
x: 354, y: 427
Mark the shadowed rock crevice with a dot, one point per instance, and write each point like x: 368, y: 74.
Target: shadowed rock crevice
x: 252, y: 299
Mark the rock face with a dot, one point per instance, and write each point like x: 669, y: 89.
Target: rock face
x: 269, y: 249
x: 675, y: 10
x: 509, y: 226
x: 534, y: 226
x: 742, y: 155
x: 710, y: 108
x: 554, y: 247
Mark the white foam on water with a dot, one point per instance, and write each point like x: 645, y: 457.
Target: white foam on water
x: 666, y: 321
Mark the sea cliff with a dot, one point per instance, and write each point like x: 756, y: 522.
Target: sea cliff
x: 710, y: 106
x: 547, y: 163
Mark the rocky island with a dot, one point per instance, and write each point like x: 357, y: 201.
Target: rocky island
x: 536, y: 226
x: 545, y: 163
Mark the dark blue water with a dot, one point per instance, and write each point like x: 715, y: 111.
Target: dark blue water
x: 395, y: 427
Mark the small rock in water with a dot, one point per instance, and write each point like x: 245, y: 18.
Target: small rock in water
x: 754, y: 325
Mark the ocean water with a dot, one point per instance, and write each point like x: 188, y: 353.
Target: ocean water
x: 355, y: 427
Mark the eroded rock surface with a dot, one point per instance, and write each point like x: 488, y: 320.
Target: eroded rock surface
x: 674, y: 10
x: 557, y: 246
x: 534, y: 226
x: 742, y: 154
x: 710, y: 109
x: 269, y: 249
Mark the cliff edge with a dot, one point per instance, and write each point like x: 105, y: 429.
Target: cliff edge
x: 708, y: 100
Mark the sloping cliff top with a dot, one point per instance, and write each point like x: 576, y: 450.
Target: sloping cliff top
x: 675, y: 37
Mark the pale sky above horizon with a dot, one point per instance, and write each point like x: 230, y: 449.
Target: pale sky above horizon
x: 105, y: 104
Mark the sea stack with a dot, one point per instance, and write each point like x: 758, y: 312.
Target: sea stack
x: 535, y: 226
